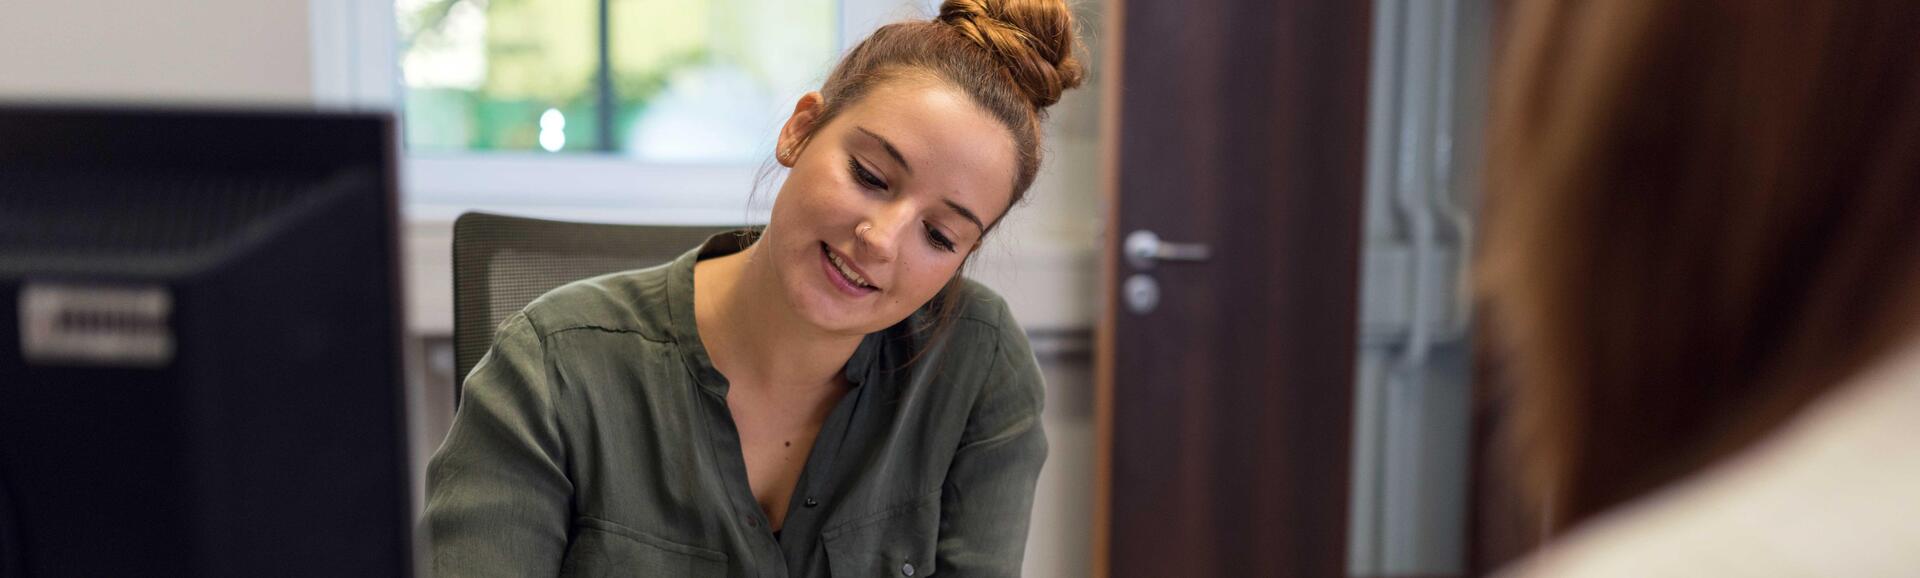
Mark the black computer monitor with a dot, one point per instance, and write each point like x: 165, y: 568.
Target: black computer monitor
x: 200, y: 369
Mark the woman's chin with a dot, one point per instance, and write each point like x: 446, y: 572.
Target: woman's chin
x: 829, y: 312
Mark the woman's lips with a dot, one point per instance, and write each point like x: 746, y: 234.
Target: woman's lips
x: 839, y: 280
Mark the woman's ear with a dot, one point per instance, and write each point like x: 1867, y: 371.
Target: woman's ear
x: 799, y: 125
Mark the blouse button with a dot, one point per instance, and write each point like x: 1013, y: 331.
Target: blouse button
x: 811, y: 502
x: 753, y: 522
x: 907, y: 569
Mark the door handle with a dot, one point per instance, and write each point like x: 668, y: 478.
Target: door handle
x: 1144, y: 248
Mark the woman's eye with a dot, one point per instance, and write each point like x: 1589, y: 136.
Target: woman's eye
x: 863, y: 176
x: 939, y: 240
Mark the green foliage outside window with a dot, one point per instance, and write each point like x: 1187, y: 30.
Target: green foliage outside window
x: 687, y: 80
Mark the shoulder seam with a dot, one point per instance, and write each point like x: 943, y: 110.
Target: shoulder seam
x: 603, y: 329
x: 535, y: 325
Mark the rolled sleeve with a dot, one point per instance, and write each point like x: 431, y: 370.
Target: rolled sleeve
x: 498, y: 494
x: 987, y: 498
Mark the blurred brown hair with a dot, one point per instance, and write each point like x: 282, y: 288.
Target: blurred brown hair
x: 1702, y: 214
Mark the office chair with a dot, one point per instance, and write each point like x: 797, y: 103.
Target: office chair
x: 502, y: 263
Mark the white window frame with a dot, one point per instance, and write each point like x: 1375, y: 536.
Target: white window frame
x: 356, y: 67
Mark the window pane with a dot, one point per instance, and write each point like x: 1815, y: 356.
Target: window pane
x: 701, y: 81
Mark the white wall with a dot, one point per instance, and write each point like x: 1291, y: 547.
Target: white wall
x: 250, y: 52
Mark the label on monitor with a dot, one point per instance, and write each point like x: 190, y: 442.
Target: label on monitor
x: 111, y: 325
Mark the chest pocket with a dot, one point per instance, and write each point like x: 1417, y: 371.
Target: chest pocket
x: 601, y: 548
x: 896, y: 542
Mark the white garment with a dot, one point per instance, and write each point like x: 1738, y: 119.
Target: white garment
x: 1834, y: 492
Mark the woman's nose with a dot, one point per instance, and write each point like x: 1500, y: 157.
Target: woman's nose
x: 883, y: 231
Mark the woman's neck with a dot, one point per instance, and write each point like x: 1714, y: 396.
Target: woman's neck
x: 754, y: 338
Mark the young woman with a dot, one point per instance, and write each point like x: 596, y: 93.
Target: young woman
x: 1703, y: 263
x: 824, y: 397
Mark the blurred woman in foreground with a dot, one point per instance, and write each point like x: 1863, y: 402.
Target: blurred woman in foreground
x: 1703, y: 267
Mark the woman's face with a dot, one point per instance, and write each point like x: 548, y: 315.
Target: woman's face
x: 884, y: 203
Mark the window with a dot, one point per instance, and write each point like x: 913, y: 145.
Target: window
x: 658, y: 111
x: 658, y: 80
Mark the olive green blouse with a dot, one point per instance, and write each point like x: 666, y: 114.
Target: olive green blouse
x: 594, y: 439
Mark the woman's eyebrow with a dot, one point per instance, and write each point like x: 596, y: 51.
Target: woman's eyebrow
x: 893, y: 152
x: 964, y: 212
x: 957, y: 208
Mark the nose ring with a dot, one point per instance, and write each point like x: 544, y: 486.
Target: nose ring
x: 862, y: 231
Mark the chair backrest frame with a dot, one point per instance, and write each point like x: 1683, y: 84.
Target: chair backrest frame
x: 501, y: 263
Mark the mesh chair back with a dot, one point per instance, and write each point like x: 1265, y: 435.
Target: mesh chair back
x: 501, y: 263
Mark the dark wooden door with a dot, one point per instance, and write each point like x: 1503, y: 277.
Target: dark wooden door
x: 1226, y: 409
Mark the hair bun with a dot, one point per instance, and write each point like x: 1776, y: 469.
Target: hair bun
x: 1033, y: 39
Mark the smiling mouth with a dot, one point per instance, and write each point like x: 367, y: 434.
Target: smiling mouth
x: 843, y: 274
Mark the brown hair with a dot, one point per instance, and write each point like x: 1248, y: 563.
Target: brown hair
x: 1013, y: 57
x: 1701, y: 216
